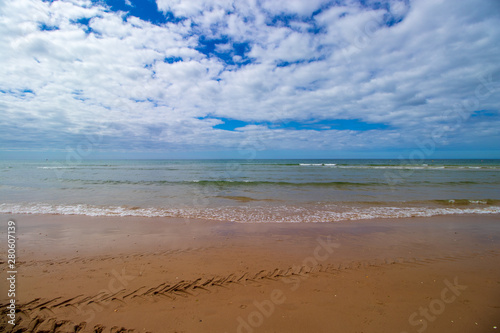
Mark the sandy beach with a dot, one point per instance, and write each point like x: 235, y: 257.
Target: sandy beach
x: 250, y: 166
x: 127, y: 274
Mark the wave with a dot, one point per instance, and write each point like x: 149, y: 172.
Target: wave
x: 283, y: 183
x: 404, y: 167
x: 108, y: 167
x: 246, y: 183
x: 466, y: 202
x: 317, y: 164
x: 244, y: 214
x: 55, y: 167
x: 226, y: 183
x: 329, y: 164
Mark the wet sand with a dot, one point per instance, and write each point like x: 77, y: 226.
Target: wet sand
x: 117, y: 274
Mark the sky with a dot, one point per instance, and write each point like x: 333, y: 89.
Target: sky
x: 250, y: 79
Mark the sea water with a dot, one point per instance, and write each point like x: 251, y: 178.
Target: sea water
x: 251, y: 191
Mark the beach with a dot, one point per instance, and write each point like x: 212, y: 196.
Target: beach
x: 139, y: 274
x: 254, y: 166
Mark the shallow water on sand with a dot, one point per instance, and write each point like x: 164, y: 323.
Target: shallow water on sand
x: 252, y: 190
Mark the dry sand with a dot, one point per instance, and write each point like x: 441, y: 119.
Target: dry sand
x: 84, y: 274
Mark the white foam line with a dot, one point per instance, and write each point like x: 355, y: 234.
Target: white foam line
x: 245, y: 214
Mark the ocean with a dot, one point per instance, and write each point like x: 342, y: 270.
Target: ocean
x: 251, y: 191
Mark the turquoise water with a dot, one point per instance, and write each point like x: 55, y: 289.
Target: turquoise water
x: 251, y: 190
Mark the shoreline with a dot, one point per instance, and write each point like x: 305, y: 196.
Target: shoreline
x: 275, y: 213
x: 206, y: 276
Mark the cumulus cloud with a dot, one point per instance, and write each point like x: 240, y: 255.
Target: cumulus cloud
x: 413, y: 68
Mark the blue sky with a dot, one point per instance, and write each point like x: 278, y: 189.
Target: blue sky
x: 207, y: 78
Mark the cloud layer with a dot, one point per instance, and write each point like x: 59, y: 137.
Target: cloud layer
x: 301, y: 75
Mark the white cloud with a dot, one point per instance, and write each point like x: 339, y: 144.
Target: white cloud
x: 121, y: 76
x: 188, y: 8
x: 298, y: 7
